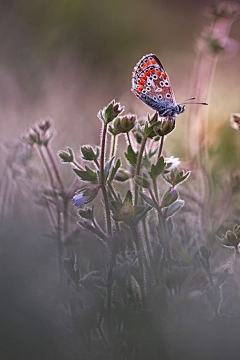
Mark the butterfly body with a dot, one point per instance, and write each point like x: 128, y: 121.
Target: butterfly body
x: 151, y: 84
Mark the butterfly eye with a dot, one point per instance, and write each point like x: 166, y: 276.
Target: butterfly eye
x: 161, y: 83
x: 144, y: 91
x: 168, y: 95
x: 155, y: 77
x: 150, y: 77
x: 166, y: 83
x: 160, y: 97
x: 148, y: 83
x: 154, y: 98
x: 148, y: 88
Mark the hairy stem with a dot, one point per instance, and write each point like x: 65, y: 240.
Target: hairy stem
x: 103, y: 180
x: 138, y: 166
x: 160, y: 146
x: 55, y: 168
x: 113, y: 145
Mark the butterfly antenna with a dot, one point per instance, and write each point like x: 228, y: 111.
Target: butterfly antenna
x: 188, y: 101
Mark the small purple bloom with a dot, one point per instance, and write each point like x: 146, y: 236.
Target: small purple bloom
x: 79, y: 199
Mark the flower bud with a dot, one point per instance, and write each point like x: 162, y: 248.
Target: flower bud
x: 169, y: 197
x: 66, y: 157
x: 110, y: 112
x: 88, y: 153
x: 122, y: 175
x: 44, y: 125
x: 165, y: 126
x: 85, y: 195
x: 123, y: 124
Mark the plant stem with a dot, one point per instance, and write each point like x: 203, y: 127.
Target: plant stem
x: 57, y: 204
x: 138, y: 166
x: 103, y: 180
x: 160, y: 146
x: 129, y: 141
x: 140, y: 262
x: 55, y: 168
x: 154, y: 181
x: 162, y: 221
x: 74, y: 162
x: 113, y: 145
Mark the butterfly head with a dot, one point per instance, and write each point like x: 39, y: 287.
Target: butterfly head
x: 180, y: 109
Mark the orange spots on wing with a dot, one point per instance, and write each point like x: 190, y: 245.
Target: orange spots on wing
x: 147, y: 73
x: 152, y: 71
x: 143, y: 77
x: 153, y: 61
x: 148, y: 63
x: 141, y: 82
x: 144, y: 66
x: 158, y: 73
x: 139, y: 89
x: 164, y: 76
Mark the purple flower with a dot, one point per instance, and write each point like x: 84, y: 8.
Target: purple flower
x: 85, y: 195
x: 79, y: 199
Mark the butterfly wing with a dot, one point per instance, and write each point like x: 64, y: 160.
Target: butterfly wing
x: 151, y: 83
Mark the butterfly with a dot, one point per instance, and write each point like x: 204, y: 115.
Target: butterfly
x: 151, y: 84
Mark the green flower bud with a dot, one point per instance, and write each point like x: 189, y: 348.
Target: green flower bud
x: 169, y: 197
x: 88, y: 153
x: 165, y: 126
x: 66, y: 157
x: 110, y: 112
x: 123, y: 124
x: 122, y: 175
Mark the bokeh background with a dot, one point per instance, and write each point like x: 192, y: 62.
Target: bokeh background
x: 66, y: 59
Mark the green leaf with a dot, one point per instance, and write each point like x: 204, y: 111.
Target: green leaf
x: 87, y: 175
x: 128, y: 198
x: 147, y: 199
x: 158, y: 168
x: 173, y: 208
x: 139, y: 216
x: 114, y: 169
x: 131, y: 156
x: 108, y: 167
x: 142, y: 181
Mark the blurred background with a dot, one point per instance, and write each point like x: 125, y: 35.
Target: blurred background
x: 66, y: 59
